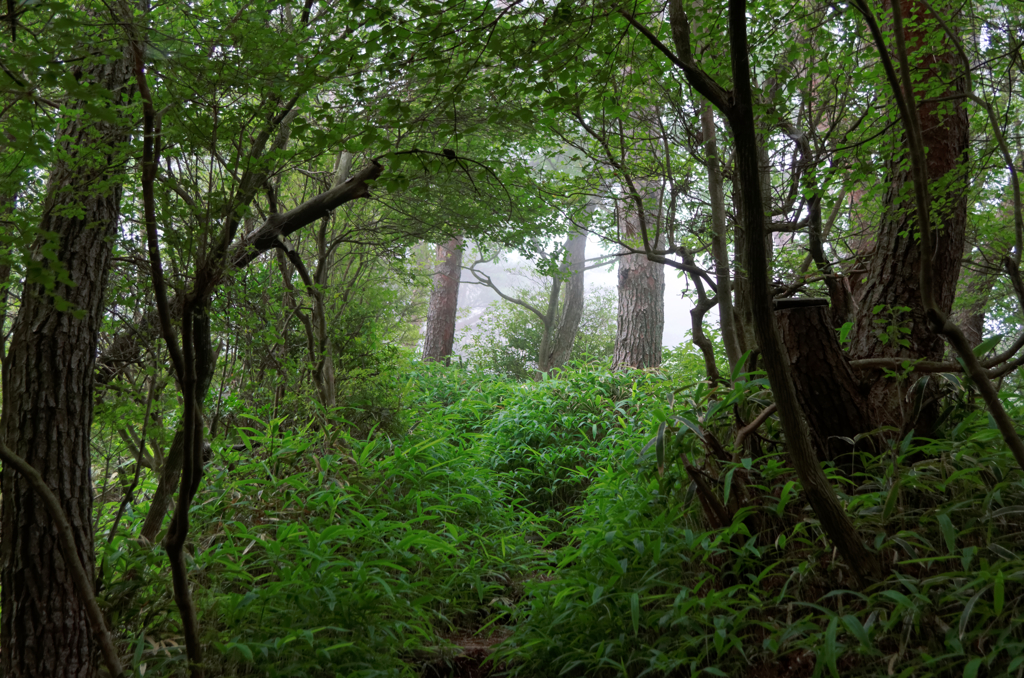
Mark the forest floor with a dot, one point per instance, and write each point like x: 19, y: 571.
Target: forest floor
x: 553, y: 529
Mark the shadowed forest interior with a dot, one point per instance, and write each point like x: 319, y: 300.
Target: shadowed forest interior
x: 248, y: 428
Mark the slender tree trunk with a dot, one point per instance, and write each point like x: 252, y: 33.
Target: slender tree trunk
x: 865, y: 565
x: 970, y: 316
x: 548, y: 322
x: 47, y: 397
x: 742, y: 312
x: 641, y: 316
x: 171, y: 471
x: 572, y: 309
x: 974, y: 288
x: 444, y: 303
x: 719, y: 239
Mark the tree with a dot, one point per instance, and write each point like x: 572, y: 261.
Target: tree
x: 894, y: 270
x: 444, y: 303
x: 560, y: 346
x: 505, y: 339
x: 641, y: 284
x: 559, y: 317
x: 48, y: 377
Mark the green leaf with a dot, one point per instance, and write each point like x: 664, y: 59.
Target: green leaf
x: 948, y: 532
x: 890, y: 501
x: 968, y: 608
x: 987, y: 345
x: 784, y: 497
x: 1002, y: 552
x: 692, y: 426
x: 998, y: 593
x: 139, y: 647
x: 728, y: 486
x: 971, y: 669
x: 857, y: 630
x: 659, y: 450
x: 831, y: 647
x: 844, y: 332
x: 634, y: 610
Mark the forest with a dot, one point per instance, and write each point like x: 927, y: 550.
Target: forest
x: 241, y: 435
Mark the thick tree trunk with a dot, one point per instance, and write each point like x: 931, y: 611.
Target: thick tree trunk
x: 641, y: 316
x: 439, y: 339
x: 572, y: 308
x: 893, y: 277
x: 47, y: 398
x: 835, y: 408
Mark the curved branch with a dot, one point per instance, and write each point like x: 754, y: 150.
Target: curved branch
x: 747, y: 430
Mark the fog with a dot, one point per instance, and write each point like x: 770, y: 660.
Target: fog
x: 516, y: 272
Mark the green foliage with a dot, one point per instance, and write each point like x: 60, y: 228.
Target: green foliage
x: 318, y: 554
x: 644, y: 587
x: 506, y: 339
x: 543, y: 511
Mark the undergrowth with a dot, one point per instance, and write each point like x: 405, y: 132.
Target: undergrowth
x: 560, y: 518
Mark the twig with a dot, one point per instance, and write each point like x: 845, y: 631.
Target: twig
x: 743, y: 433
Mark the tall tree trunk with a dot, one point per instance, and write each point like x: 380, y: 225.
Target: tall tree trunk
x: 444, y: 303
x: 893, y: 277
x: 641, y: 316
x: 47, y: 395
x: 572, y: 308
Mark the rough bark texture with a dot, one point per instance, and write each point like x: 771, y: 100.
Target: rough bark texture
x: 48, y: 404
x: 893, y: 277
x: 835, y: 407
x: 572, y: 308
x: 444, y: 303
x: 641, y: 316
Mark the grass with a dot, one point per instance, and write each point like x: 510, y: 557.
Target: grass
x: 558, y: 517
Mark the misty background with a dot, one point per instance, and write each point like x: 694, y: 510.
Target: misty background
x: 516, y: 272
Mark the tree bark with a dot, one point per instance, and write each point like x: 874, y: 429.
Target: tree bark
x: 572, y: 308
x: 865, y: 566
x: 641, y: 316
x: 893, y: 277
x: 835, y: 407
x: 439, y: 339
x: 47, y: 396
